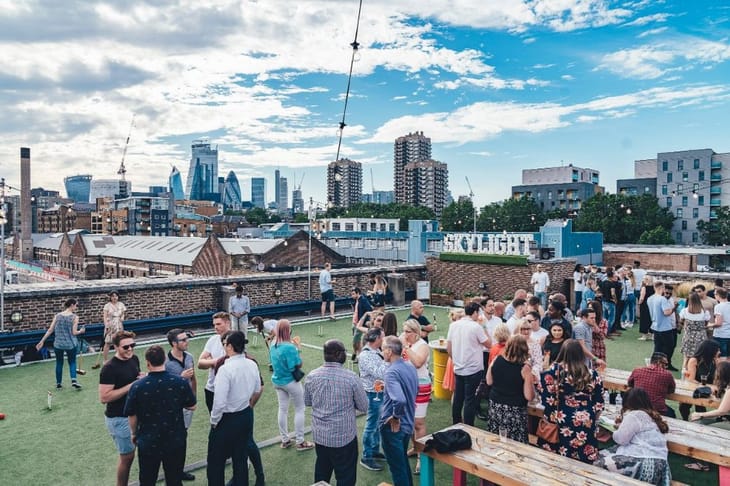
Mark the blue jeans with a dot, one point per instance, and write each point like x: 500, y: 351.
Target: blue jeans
x: 395, y: 447
x: 724, y: 345
x: 629, y: 314
x: 578, y: 300
x: 609, y: 313
x: 59, y: 363
x: 543, y: 298
x: 370, y: 434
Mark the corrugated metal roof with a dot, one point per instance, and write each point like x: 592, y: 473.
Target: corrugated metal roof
x: 97, y: 244
x: 171, y: 250
x: 249, y: 246
x: 50, y: 242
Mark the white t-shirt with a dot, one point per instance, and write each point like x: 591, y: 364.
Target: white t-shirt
x: 539, y: 335
x: 512, y: 324
x: 467, y: 337
x: 270, y: 325
x: 702, y: 316
x: 723, y: 309
x: 541, y: 280
x: 490, y: 325
x: 639, y: 274
x: 215, y: 347
x: 578, y: 280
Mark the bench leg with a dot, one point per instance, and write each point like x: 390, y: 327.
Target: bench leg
x: 427, y: 478
x: 459, y: 477
x: 724, y: 473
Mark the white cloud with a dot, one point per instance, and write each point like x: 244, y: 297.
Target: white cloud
x: 567, y: 77
x: 649, y: 32
x: 655, y: 60
x: 648, y: 19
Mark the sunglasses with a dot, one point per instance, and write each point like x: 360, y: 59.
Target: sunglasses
x: 183, y: 340
x: 530, y: 320
x: 525, y: 329
x: 127, y: 347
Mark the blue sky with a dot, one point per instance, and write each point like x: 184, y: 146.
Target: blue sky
x: 499, y: 86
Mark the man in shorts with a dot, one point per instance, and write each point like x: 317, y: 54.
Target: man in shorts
x: 115, y: 379
x: 328, y: 293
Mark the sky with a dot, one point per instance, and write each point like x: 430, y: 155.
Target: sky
x: 498, y: 85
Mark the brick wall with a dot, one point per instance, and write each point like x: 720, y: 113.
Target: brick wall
x: 501, y: 280
x: 664, y: 261
x: 183, y: 294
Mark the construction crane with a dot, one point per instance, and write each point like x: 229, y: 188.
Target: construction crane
x: 299, y: 187
x: 122, y: 170
x: 471, y: 196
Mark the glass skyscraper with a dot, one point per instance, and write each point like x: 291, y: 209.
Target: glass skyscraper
x: 202, y: 181
x: 175, y: 184
x: 231, y: 192
x: 258, y: 192
x: 78, y: 187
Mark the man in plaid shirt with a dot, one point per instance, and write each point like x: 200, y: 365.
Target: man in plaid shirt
x: 656, y: 381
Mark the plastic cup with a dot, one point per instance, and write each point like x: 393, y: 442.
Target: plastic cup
x: 503, y: 434
x: 703, y: 379
x: 647, y: 361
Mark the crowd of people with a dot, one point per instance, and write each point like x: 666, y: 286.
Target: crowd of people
x: 531, y: 352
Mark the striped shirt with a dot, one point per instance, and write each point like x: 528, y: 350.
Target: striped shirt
x: 335, y: 394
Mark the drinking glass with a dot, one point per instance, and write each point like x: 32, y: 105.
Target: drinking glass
x: 503, y: 434
x: 378, y: 386
x: 703, y: 379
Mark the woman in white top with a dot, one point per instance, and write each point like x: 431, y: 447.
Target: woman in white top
x: 641, y: 451
x: 417, y: 352
x: 524, y: 329
x: 579, y: 285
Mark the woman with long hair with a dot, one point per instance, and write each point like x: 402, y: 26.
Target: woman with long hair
x: 417, y: 352
x: 553, y: 344
x: 390, y: 324
x: 694, y: 319
x: 524, y: 329
x: 701, y: 368
x: 719, y: 416
x: 113, y: 312
x: 512, y: 386
x: 65, y: 325
x: 573, y: 398
x: 647, y: 290
x: 641, y: 446
x: 600, y: 335
x: 284, y: 357
x: 579, y: 285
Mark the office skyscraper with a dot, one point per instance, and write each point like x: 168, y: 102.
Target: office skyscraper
x: 297, y: 201
x: 344, y: 183
x: 78, y: 187
x: 410, y: 148
x: 202, y: 181
x: 231, y: 192
x: 258, y: 192
x: 175, y: 184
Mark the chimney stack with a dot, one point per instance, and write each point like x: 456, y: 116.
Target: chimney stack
x: 26, y: 220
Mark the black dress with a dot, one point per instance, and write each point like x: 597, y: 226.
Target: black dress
x: 644, y: 316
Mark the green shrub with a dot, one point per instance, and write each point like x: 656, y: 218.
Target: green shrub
x: 516, y: 260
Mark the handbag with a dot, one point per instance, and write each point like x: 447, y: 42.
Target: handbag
x: 546, y: 430
x: 297, y: 374
x: 702, y: 392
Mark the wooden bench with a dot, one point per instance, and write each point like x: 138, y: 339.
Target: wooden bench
x: 512, y: 463
x: 618, y: 380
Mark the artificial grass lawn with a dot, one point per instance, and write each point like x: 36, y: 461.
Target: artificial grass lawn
x: 70, y: 444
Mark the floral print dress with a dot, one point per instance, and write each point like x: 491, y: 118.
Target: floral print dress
x: 576, y: 413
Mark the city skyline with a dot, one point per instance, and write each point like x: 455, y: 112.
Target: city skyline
x: 514, y: 84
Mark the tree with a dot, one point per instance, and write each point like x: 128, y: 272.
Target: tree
x: 656, y: 236
x: 523, y: 215
x: 257, y: 216
x: 458, y: 216
x: 716, y: 231
x: 621, y: 218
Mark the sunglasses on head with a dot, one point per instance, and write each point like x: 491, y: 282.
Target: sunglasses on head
x: 127, y: 347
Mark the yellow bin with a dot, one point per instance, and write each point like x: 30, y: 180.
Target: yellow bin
x: 440, y: 358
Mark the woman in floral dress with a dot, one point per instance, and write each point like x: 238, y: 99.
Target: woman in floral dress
x: 573, y: 398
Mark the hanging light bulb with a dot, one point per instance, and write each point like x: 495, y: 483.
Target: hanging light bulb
x: 355, y: 51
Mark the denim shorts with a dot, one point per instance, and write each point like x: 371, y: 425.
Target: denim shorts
x: 121, y: 435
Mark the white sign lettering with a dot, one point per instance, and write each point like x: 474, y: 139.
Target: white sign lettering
x: 495, y: 244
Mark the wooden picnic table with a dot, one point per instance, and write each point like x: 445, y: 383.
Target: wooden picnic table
x: 618, y: 380
x: 513, y: 463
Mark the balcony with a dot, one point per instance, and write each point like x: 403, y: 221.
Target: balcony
x: 715, y: 202
x: 716, y: 190
x: 716, y: 177
x: 715, y: 164
x: 713, y: 215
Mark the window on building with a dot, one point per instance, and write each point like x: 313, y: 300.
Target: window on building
x: 684, y: 224
x: 363, y: 226
x: 685, y: 176
x: 664, y: 190
x: 373, y: 226
x: 669, y: 202
x: 680, y: 165
x: 680, y: 212
x: 695, y: 213
x: 669, y: 177
x: 647, y: 189
x: 349, y: 226
x: 382, y: 226
x: 391, y: 227
x: 665, y: 165
x: 680, y: 188
x: 696, y: 164
x: 695, y: 237
x: 678, y: 238
x: 335, y: 226
x: 701, y: 201
x: 539, y: 195
x: 701, y: 175
x: 695, y: 187
x: 684, y: 201
x: 550, y: 194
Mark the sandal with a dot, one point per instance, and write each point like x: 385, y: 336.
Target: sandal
x: 304, y: 446
x: 697, y: 466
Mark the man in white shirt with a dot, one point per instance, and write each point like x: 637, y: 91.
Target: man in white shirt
x: 721, y: 333
x: 520, y: 306
x: 465, y: 344
x: 213, y: 351
x: 541, y: 282
x: 237, y: 388
x: 491, y: 321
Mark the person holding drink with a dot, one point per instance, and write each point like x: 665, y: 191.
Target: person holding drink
x: 372, y: 371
